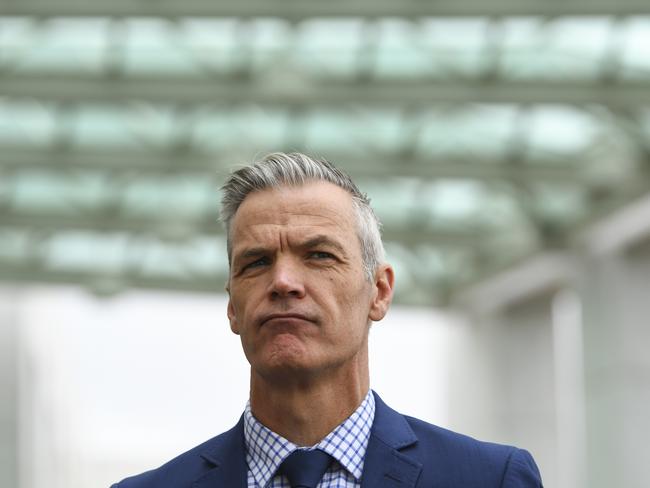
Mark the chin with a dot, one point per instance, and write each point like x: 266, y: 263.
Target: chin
x: 287, y: 360
x: 286, y: 365
x: 285, y: 349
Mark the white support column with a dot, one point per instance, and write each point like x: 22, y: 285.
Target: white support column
x: 502, y: 385
x: 8, y: 392
x: 568, y: 339
x: 616, y: 296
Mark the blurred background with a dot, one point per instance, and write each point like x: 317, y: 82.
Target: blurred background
x: 505, y: 146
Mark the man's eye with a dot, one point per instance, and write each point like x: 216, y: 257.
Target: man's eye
x: 255, y: 264
x: 321, y: 255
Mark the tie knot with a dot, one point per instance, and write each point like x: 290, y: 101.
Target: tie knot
x: 305, y: 468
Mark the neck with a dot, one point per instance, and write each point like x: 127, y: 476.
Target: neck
x: 305, y: 411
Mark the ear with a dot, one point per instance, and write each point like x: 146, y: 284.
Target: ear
x: 232, y: 318
x: 383, y: 287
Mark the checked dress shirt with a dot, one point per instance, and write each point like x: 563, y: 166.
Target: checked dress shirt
x: 347, y: 444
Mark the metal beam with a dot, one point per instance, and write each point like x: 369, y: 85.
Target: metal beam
x: 17, y: 158
x: 73, y: 88
x: 578, y: 242
x: 100, y: 221
x: 542, y: 271
x: 621, y: 230
x: 297, y: 10
x: 301, y: 93
x: 179, y: 227
x: 102, y: 282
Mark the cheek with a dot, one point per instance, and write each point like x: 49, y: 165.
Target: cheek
x: 354, y: 307
x: 241, y: 304
x: 243, y: 291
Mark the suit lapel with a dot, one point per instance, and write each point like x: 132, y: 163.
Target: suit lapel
x: 227, y: 458
x: 385, y: 466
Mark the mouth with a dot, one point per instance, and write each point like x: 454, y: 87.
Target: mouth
x: 285, y: 317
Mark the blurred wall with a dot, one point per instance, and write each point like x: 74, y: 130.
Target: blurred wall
x: 559, y: 365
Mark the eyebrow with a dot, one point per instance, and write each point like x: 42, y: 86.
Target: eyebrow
x: 252, y: 252
x: 321, y: 240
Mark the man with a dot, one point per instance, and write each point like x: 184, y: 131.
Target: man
x: 307, y: 278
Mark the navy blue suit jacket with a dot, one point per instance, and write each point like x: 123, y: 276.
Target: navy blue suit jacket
x: 402, y: 452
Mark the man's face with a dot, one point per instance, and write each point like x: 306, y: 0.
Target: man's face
x: 299, y: 298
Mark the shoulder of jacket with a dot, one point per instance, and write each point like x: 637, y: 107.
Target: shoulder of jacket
x: 450, y: 439
x: 189, y: 464
x: 495, y: 464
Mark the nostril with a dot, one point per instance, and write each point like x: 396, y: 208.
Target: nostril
x: 276, y: 294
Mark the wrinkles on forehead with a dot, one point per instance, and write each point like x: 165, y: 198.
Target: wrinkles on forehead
x: 301, y: 244
x: 294, y: 235
x: 294, y: 214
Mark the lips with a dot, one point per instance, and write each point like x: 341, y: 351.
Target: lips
x: 285, y: 316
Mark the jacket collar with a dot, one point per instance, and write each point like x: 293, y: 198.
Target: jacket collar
x: 384, y: 467
x: 226, y: 455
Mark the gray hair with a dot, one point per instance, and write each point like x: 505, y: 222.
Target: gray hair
x: 295, y: 169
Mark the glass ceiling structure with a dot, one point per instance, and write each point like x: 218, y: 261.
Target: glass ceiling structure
x: 483, y: 132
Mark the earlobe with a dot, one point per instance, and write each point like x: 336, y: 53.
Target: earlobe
x: 384, y: 282
x: 232, y: 318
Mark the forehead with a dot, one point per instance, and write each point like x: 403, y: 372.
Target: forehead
x: 319, y: 205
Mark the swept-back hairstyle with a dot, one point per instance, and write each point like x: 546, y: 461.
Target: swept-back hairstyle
x: 296, y: 169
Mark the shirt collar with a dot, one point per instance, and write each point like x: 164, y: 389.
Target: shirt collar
x: 347, y: 443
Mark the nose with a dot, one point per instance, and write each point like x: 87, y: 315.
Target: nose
x: 286, y: 280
